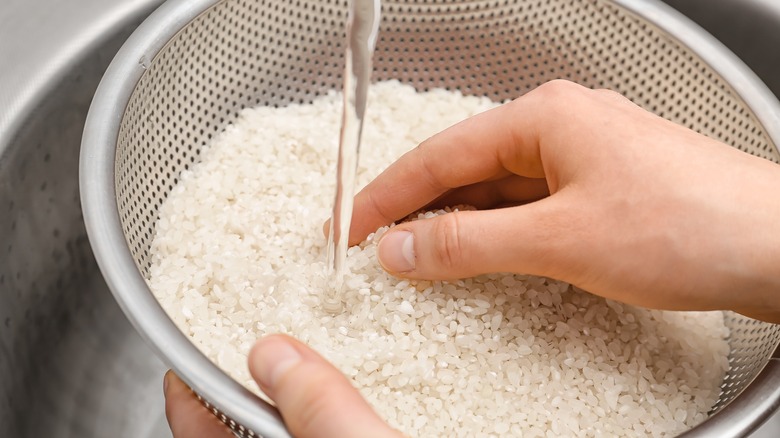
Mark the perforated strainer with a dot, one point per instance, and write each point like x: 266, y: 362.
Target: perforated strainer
x: 194, y: 64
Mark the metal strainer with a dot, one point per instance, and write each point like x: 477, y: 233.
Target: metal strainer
x: 194, y: 64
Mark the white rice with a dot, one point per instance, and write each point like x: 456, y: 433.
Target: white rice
x: 239, y: 253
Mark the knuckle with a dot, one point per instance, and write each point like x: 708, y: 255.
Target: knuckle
x: 379, y: 208
x: 557, y: 98
x: 311, y: 415
x: 559, y: 89
x: 606, y: 92
x: 448, y: 248
x: 611, y: 96
x: 311, y: 408
x: 431, y: 175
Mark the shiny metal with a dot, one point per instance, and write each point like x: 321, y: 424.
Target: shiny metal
x: 748, y: 27
x: 194, y: 64
x: 748, y: 411
x: 111, y: 247
x: 723, y: 62
x: 70, y: 363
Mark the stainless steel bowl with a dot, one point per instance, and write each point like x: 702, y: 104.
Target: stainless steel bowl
x: 188, y: 70
x: 70, y: 363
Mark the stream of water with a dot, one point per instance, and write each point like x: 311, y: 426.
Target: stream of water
x: 362, y: 30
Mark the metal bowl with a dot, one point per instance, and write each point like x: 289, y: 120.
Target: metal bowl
x: 71, y: 365
x: 188, y: 70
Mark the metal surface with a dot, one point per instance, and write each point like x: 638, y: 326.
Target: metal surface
x: 189, y: 69
x: 740, y: 418
x: 70, y: 363
x: 750, y: 28
x: 52, y: 335
x: 143, y: 310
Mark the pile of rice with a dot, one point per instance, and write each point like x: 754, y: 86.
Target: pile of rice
x: 239, y: 253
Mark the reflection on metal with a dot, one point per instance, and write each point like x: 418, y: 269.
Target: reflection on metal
x: 70, y: 363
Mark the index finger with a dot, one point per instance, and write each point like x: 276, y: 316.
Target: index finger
x: 490, y: 144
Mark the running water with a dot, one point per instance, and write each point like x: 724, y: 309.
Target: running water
x: 362, y: 30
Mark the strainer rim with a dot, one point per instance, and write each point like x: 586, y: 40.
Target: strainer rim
x: 101, y: 212
x: 104, y: 229
x: 742, y: 79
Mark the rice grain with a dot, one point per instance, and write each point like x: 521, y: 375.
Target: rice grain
x: 239, y: 253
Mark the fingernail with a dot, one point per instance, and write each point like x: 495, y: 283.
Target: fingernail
x: 276, y: 357
x: 396, y: 251
x: 165, y: 381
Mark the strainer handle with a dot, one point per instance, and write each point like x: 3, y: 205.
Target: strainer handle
x: 747, y: 412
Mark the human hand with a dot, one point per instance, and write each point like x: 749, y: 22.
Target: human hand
x: 607, y: 196
x: 314, y: 398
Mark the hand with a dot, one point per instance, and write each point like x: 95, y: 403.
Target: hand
x: 314, y: 398
x: 605, y: 196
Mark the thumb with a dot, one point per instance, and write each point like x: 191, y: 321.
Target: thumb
x: 314, y: 398
x: 462, y: 244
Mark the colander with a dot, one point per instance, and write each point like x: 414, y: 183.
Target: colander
x: 188, y: 70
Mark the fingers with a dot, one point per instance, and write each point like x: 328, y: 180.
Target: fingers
x: 187, y: 416
x: 521, y: 239
x: 505, y: 140
x: 512, y: 190
x: 314, y: 398
x: 478, y: 149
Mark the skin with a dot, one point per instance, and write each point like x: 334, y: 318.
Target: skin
x: 575, y: 184
x: 627, y: 205
x: 315, y: 399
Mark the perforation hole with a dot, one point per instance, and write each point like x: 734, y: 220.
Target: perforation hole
x: 262, y: 52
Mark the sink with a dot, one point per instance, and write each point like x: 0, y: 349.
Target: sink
x: 70, y: 363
